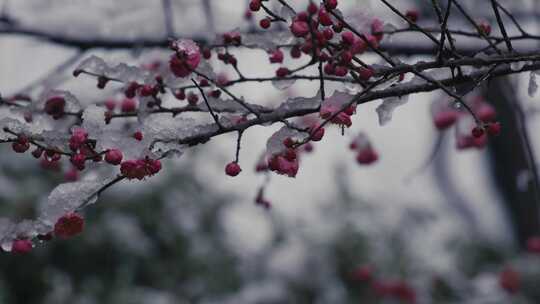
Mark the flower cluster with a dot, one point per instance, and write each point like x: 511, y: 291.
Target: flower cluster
x: 140, y: 168
x: 366, y: 155
x: 469, y: 133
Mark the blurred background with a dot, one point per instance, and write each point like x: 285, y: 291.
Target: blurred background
x: 337, y: 233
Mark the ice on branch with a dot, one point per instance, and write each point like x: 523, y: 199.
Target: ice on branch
x: 299, y: 104
x: 112, y: 136
x: 16, y: 126
x: 121, y: 71
x: 228, y: 106
x: 338, y: 108
x: 68, y: 197
x: 10, y: 231
x: 266, y: 40
x: 153, y: 127
x: 281, y: 154
x: 386, y: 109
x: 63, y: 199
x: 54, y: 138
x: 165, y: 127
x: 275, y: 144
x: 436, y: 74
x: 337, y: 100
x: 160, y: 133
x: 167, y: 131
x: 94, y: 121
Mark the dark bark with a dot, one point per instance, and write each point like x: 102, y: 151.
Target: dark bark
x: 513, y: 160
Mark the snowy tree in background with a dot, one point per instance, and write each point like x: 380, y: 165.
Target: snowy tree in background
x: 180, y: 89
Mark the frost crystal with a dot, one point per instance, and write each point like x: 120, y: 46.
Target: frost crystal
x: 386, y: 109
x: 94, y: 120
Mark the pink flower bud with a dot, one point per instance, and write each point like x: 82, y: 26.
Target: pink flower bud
x: 128, y: 105
x: 69, y: 225
x: 299, y: 28
x: 21, y: 246
x: 276, y: 56
x: 55, y: 107
x: 232, y: 169
x: 113, y: 157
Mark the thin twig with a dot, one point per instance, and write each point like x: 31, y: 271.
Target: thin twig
x: 363, y: 37
x: 501, y: 25
x: 398, y: 90
x: 272, y: 14
x: 321, y: 81
x: 214, y: 116
x: 413, y: 24
x: 87, y: 201
x: 513, y: 18
x: 236, y: 99
x: 476, y: 26
x: 238, y: 143
x: 285, y: 4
